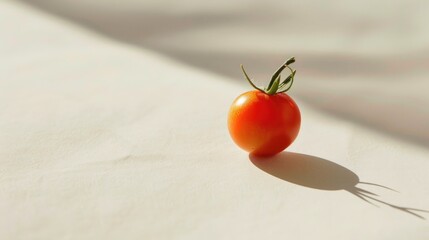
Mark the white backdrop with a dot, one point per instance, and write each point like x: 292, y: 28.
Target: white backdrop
x: 113, y: 120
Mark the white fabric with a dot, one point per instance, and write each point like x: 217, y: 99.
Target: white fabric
x: 103, y: 138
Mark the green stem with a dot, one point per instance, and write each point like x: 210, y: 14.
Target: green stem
x: 274, y: 87
x: 291, y: 82
x: 248, y: 79
x: 289, y: 78
x: 275, y: 84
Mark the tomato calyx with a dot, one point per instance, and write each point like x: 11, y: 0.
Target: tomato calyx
x: 276, y: 85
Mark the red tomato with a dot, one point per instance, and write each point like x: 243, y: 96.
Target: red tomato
x: 264, y: 122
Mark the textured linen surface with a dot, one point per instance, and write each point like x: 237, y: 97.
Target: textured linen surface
x: 113, y: 120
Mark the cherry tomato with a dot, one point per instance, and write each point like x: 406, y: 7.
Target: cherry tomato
x: 265, y: 122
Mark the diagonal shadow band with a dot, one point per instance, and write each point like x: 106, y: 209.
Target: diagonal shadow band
x: 161, y: 30
x: 318, y: 173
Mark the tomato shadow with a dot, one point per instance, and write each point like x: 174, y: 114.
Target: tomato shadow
x: 318, y: 173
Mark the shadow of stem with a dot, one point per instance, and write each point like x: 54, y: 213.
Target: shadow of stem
x: 318, y: 173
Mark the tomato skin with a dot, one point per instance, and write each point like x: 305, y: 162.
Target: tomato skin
x: 263, y: 124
